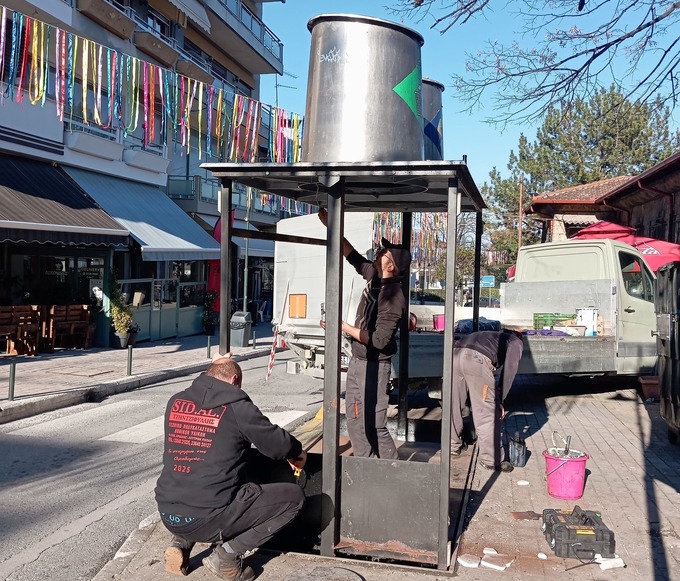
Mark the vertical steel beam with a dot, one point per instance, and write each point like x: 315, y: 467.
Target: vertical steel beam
x: 402, y: 418
x: 449, y: 309
x: 479, y: 230
x: 330, y: 483
x: 225, y: 265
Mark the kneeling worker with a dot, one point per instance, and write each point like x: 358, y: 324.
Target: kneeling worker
x: 202, y: 493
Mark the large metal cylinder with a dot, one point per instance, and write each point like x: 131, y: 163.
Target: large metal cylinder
x: 364, y: 98
x: 432, y: 120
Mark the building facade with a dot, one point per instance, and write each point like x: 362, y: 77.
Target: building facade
x: 108, y: 110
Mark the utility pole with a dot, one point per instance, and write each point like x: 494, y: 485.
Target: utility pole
x: 519, y: 221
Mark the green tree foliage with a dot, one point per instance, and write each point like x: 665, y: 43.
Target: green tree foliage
x: 465, y: 264
x: 603, y: 137
x: 592, y: 140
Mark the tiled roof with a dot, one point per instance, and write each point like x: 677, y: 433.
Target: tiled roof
x: 584, y: 192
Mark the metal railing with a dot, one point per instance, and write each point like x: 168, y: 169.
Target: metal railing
x: 78, y: 124
x: 258, y: 29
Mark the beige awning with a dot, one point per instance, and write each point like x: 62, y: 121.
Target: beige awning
x: 195, y: 11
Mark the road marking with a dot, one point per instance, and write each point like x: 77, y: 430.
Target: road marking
x: 147, y: 431
x: 139, y: 434
x: 73, y: 423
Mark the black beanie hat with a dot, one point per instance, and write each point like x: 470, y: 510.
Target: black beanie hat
x: 400, y: 254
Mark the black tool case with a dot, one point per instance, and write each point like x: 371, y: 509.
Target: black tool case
x: 578, y: 534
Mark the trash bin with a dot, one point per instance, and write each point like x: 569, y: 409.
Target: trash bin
x: 240, y: 324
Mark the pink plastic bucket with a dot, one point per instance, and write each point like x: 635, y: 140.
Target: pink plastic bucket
x: 438, y: 322
x: 566, y: 475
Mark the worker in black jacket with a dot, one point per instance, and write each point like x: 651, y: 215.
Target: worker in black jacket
x: 202, y: 493
x: 379, y: 313
x: 476, y: 357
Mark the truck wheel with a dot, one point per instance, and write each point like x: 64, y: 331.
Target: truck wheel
x: 672, y: 436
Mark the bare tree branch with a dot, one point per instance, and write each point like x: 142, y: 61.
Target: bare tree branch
x: 563, y: 51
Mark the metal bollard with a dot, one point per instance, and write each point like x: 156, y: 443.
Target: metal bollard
x: 208, y: 355
x: 254, y: 340
x: 12, y: 375
x: 129, y: 366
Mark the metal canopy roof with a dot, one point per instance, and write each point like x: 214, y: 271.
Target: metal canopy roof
x: 401, y: 186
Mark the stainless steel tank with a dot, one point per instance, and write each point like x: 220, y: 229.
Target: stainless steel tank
x: 432, y: 120
x: 363, y: 91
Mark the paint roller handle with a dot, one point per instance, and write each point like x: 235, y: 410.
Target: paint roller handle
x: 566, y: 447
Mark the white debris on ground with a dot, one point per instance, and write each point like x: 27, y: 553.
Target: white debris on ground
x: 497, y: 562
x: 542, y: 556
x: 489, y: 551
x: 470, y: 561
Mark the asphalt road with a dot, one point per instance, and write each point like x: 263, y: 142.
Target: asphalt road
x: 75, y: 482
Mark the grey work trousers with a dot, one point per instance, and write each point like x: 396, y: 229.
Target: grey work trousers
x: 257, y: 512
x: 366, y: 400
x: 473, y: 376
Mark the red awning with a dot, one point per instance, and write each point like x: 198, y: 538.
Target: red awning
x: 655, y: 252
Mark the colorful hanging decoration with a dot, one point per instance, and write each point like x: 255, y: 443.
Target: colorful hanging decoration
x: 116, y: 89
x: 428, y: 234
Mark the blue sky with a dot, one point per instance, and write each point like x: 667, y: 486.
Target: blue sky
x: 464, y: 133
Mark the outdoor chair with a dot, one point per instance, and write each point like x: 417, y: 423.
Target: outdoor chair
x: 26, y: 318
x: 262, y: 311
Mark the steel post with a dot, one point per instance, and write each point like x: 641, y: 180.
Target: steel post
x: 449, y: 309
x: 331, y: 397
x: 225, y: 265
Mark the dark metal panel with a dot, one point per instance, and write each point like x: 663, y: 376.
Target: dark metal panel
x: 331, y: 392
x: 404, y: 335
x: 479, y: 230
x: 225, y: 265
x: 445, y: 474
x: 389, y: 505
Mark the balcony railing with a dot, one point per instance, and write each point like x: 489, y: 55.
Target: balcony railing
x: 181, y: 188
x: 268, y: 39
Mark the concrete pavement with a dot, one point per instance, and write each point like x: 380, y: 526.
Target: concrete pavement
x: 633, y: 473
x: 67, y: 377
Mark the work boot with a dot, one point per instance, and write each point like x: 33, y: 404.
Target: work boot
x: 228, y: 566
x: 504, y: 466
x: 177, y: 556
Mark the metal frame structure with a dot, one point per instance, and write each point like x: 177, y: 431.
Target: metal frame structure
x: 428, y: 186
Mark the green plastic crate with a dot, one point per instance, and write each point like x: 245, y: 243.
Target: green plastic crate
x: 549, y: 319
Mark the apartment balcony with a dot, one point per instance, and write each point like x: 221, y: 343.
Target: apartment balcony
x: 109, y: 14
x: 194, y: 68
x: 245, y: 37
x: 148, y: 159
x: 156, y: 45
x: 92, y: 140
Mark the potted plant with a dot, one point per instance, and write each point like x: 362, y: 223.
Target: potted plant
x: 210, y: 317
x: 121, y: 315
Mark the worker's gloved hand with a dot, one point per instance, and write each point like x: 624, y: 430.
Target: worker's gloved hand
x: 299, y: 462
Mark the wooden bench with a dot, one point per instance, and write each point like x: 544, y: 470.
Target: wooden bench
x: 26, y: 319
x: 8, y: 331
x: 66, y: 327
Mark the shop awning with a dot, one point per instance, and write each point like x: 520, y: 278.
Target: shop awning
x: 161, y: 227
x: 195, y: 11
x: 38, y: 203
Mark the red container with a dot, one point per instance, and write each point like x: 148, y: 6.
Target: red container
x: 438, y: 322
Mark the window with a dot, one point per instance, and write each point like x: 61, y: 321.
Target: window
x: 158, y: 23
x: 638, y: 282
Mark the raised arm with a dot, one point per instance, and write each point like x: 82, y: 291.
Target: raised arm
x: 346, y: 246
